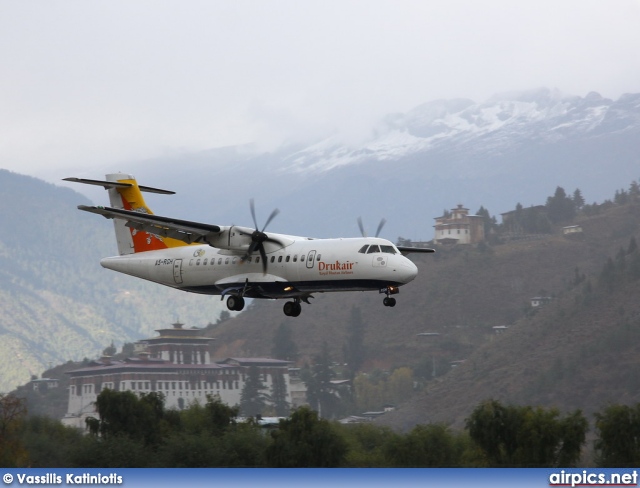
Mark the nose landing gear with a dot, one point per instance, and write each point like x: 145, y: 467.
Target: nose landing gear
x: 389, y: 301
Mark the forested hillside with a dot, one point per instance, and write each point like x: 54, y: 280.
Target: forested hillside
x: 56, y: 302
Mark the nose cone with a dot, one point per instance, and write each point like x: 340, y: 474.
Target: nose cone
x: 408, y: 270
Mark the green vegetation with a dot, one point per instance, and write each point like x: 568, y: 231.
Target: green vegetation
x: 136, y: 431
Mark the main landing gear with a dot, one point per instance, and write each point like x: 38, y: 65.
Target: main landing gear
x: 235, y: 303
x: 389, y: 301
x: 292, y: 309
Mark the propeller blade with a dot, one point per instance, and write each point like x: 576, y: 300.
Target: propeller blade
x: 271, y: 217
x: 362, y: 231
x: 250, y: 251
x: 258, y: 237
x: 253, y: 213
x: 364, y: 234
x: 263, y: 255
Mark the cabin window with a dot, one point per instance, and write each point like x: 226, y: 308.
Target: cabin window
x: 204, y: 262
x: 273, y: 258
x: 373, y: 248
x: 235, y: 260
x: 198, y: 262
x: 226, y: 261
x: 318, y: 257
x: 288, y: 258
x: 219, y: 260
x: 279, y: 259
x: 310, y: 257
x: 364, y: 248
x: 295, y: 258
x: 190, y: 262
x: 302, y: 258
x: 257, y: 259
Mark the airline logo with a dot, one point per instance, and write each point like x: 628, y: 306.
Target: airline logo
x: 335, y: 268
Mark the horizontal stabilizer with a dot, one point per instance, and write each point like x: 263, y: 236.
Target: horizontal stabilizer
x: 114, y: 184
x: 182, y: 230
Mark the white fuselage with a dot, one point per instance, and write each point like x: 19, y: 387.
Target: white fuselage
x: 302, y: 265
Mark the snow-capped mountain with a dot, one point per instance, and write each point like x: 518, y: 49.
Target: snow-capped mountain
x: 513, y: 148
x: 461, y: 126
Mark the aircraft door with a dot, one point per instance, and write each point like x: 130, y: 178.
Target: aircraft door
x: 311, y: 259
x: 177, y: 271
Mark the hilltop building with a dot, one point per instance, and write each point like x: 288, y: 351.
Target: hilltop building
x: 458, y: 227
x: 178, y: 363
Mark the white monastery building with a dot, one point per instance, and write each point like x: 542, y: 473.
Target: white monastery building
x: 459, y: 227
x: 178, y: 363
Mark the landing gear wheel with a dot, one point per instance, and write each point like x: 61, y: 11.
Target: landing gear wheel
x: 292, y: 309
x: 235, y: 303
x: 389, y: 302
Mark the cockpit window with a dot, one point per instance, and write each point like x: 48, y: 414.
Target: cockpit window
x: 369, y: 249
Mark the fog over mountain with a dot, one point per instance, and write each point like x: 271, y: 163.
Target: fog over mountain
x: 512, y: 148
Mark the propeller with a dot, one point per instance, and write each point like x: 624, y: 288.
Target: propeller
x: 258, y: 237
x: 380, y: 226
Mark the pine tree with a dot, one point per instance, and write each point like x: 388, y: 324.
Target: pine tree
x: 320, y: 392
x: 279, y: 395
x: 578, y: 199
x: 253, y: 400
x: 560, y: 208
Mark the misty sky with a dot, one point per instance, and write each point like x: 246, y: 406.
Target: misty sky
x: 87, y: 84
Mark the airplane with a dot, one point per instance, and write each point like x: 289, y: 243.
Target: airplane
x: 242, y: 262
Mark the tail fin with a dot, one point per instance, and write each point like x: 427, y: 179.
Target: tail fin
x: 125, y: 193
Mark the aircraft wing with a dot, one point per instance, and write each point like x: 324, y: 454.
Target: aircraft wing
x: 183, y: 230
x: 409, y: 249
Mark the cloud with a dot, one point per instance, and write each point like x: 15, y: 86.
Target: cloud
x: 85, y: 83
